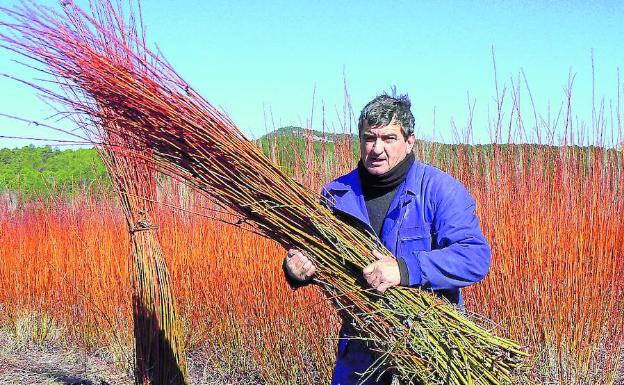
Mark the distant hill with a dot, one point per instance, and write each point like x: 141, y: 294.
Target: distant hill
x: 329, y: 137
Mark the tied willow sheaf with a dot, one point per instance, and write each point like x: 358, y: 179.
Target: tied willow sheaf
x: 159, y: 350
x: 109, y: 78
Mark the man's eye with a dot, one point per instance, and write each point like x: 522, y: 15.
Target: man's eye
x: 369, y: 138
x: 391, y: 139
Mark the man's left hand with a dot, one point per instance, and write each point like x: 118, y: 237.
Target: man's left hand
x: 383, y: 273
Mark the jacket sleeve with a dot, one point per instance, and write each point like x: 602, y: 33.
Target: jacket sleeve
x: 461, y: 255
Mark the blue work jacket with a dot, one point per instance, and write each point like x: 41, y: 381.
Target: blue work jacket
x: 431, y: 225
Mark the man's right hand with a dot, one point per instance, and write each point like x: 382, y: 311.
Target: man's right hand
x: 298, y: 266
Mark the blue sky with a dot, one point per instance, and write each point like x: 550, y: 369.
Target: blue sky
x: 257, y: 59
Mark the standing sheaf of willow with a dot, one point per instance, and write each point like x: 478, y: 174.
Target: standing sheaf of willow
x: 159, y: 351
x: 111, y: 79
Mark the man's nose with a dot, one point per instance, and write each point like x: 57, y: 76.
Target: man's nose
x: 378, y: 146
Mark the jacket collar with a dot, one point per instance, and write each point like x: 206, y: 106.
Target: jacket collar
x: 345, y: 193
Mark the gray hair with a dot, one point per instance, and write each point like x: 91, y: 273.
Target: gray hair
x: 385, y: 109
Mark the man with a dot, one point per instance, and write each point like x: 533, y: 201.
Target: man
x: 422, y: 215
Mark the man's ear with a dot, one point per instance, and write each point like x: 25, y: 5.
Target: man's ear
x: 410, y: 142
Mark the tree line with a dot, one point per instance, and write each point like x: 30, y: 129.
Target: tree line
x: 40, y: 171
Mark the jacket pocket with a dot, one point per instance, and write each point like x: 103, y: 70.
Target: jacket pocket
x: 413, y: 239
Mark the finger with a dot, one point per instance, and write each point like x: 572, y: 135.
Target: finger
x: 309, y: 269
x: 382, y: 287
x: 369, y: 269
x: 306, y: 266
x: 374, y: 281
x: 295, y: 267
x: 298, y: 254
x: 378, y: 255
x: 293, y: 261
x: 301, y: 261
x: 307, y: 273
x: 292, y: 270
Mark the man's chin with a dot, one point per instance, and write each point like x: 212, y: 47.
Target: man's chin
x: 376, y: 170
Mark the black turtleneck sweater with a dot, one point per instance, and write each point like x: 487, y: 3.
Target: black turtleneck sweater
x: 379, y: 191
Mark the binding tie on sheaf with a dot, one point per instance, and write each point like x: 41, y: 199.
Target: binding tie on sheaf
x: 142, y: 225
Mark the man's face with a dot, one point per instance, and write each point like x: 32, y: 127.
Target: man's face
x: 383, y: 147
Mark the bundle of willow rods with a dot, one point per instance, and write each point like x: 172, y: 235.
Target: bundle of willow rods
x: 138, y: 96
x: 159, y: 349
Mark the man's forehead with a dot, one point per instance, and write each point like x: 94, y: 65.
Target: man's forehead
x: 393, y: 127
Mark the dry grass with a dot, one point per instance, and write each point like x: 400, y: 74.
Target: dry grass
x: 52, y: 362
